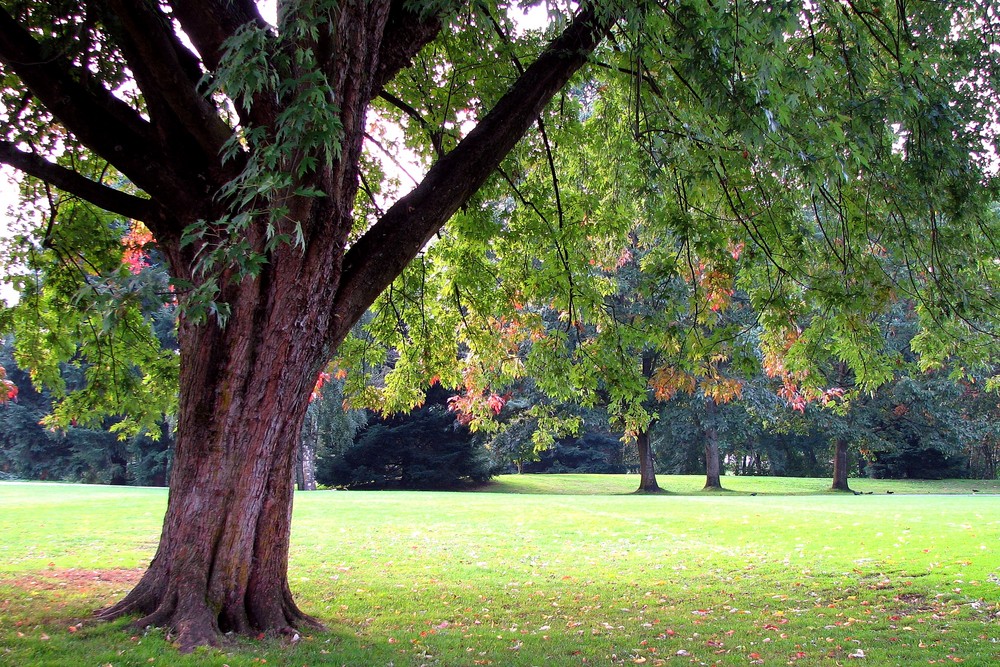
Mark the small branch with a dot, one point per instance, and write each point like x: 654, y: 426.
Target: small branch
x: 642, y: 76
x: 410, y: 111
x: 70, y: 181
x: 391, y: 156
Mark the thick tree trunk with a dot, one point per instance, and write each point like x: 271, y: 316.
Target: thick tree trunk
x: 223, y: 554
x: 840, y: 465
x: 647, y: 471
x: 713, y: 469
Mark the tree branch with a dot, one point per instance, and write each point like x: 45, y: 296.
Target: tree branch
x: 406, y: 32
x: 105, y: 124
x: 435, y: 134
x: 155, y: 57
x: 384, y: 251
x: 209, y: 23
x: 96, y: 193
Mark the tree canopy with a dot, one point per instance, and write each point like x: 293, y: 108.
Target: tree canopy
x: 819, y: 157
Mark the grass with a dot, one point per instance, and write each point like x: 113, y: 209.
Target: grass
x: 603, y: 485
x: 529, y: 574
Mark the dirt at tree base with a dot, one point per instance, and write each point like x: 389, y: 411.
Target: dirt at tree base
x: 76, y: 580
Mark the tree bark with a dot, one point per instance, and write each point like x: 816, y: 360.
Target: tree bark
x: 647, y: 471
x: 713, y: 469
x: 222, y: 560
x: 840, y: 450
x: 308, y: 465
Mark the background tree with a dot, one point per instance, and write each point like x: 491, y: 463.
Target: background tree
x: 427, y: 448
x: 242, y: 154
x: 30, y: 450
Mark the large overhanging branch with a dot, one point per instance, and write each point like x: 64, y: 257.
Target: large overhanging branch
x: 97, y: 118
x: 70, y: 181
x: 163, y: 70
x: 406, y: 32
x: 375, y: 260
x: 209, y: 23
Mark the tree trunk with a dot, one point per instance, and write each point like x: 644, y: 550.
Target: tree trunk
x: 222, y: 560
x: 840, y: 466
x: 712, y: 467
x: 647, y: 472
x: 308, y: 465
x: 305, y: 472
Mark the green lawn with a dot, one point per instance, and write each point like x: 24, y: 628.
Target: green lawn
x: 555, y: 570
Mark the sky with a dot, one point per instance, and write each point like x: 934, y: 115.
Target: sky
x: 8, y: 197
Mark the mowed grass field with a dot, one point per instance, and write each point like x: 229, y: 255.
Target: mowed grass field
x: 547, y: 570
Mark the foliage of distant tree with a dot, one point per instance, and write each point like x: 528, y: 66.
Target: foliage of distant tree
x: 591, y: 453
x: 425, y: 449
x: 31, y: 450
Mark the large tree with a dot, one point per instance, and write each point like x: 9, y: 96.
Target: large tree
x: 239, y: 144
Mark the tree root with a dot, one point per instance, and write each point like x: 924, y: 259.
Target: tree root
x: 191, y: 621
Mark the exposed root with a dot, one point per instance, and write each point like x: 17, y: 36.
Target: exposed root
x: 162, y: 616
x: 296, y: 618
x: 298, y: 621
x: 195, y: 632
x: 142, y: 599
x: 191, y: 622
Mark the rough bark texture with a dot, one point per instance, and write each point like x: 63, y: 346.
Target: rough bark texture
x: 840, y: 450
x: 222, y: 559
x: 223, y: 555
x: 647, y: 471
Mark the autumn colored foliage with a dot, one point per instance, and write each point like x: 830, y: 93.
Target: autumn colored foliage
x: 8, y: 390
x: 135, y: 243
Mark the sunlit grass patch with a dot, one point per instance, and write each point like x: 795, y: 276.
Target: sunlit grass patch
x: 408, y: 578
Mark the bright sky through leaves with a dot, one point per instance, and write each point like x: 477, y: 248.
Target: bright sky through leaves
x: 8, y: 198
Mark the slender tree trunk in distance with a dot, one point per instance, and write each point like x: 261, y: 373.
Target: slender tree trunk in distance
x: 647, y: 472
x: 713, y: 469
x: 840, y: 465
x: 308, y: 466
x: 306, y: 463
x: 647, y: 469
